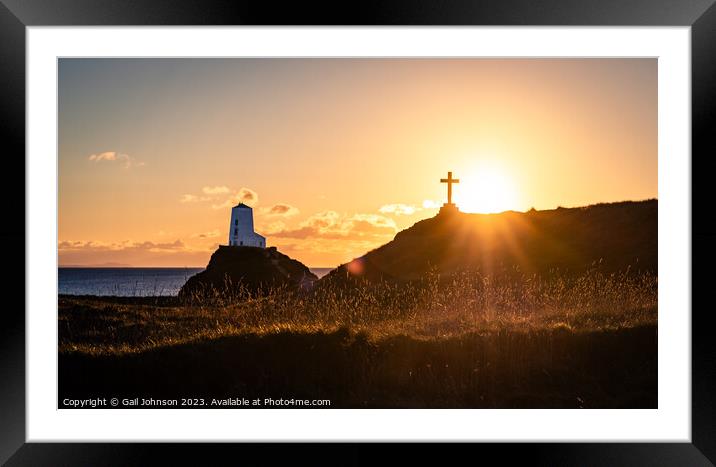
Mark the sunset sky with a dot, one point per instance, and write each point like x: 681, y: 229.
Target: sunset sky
x: 335, y: 155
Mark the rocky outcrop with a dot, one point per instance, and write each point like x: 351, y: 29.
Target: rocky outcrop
x: 236, y: 270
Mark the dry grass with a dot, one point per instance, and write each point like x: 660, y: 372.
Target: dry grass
x: 434, y: 308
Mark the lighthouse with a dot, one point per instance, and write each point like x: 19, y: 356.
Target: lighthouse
x: 241, y: 229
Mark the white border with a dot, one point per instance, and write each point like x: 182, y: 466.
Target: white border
x: 671, y: 422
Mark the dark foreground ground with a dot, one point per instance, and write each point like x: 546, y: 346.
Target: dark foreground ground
x: 555, y: 368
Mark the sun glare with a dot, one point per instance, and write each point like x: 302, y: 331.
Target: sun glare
x: 486, y: 190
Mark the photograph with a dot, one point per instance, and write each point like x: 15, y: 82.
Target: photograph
x: 346, y: 233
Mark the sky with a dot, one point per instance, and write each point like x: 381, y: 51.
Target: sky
x: 335, y: 155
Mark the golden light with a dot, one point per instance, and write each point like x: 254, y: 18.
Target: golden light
x: 485, y: 190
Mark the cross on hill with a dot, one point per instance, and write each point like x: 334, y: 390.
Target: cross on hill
x: 449, y: 182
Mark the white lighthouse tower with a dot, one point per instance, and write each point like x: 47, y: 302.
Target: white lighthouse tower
x: 241, y: 229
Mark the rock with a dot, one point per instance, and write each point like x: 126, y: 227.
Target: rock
x: 234, y: 269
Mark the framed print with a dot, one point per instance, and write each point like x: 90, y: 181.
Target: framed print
x: 472, y: 224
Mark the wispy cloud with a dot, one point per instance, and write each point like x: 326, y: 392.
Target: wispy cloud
x: 65, y: 246
x: 210, y: 234
x: 280, y: 210
x: 105, y: 156
x: 277, y: 226
x: 399, y: 209
x: 244, y: 195
x: 327, y: 252
x: 430, y: 204
x: 112, y: 156
x: 330, y: 224
x: 215, y: 190
x: 146, y: 253
x: 222, y: 197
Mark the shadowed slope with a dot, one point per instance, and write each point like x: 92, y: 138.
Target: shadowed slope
x: 616, y: 235
x: 545, y: 369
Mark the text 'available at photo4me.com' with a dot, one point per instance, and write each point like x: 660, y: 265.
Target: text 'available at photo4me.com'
x: 192, y: 402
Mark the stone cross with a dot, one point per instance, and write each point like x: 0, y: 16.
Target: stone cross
x: 449, y: 182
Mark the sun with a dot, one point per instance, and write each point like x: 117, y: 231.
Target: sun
x: 485, y: 190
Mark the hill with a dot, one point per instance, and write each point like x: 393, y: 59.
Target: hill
x: 237, y: 270
x: 617, y: 236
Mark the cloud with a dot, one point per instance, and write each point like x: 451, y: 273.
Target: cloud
x: 280, y: 210
x: 113, y: 156
x: 210, y: 234
x: 373, y: 220
x: 217, y: 194
x: 399, y: 209
x: 121, y: 246
x: 215, y: 190
x: 105, y: 156
x: 244, y: 195
x: 247, y: 195
x: 330, y: 224
x: 136, y: 253
x: 430, y: 204
x: 151, y: 246
x: 273, y: 227
x: 326, y: 252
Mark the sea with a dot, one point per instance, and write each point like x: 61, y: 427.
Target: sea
x: 130, y: 282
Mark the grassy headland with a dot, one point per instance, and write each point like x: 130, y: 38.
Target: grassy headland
x: 464, y: 340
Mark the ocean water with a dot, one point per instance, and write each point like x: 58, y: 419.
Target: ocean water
x: 130, y: 282
x: 123, y: 282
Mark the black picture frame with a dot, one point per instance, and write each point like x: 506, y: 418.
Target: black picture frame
x: 16, y: 15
